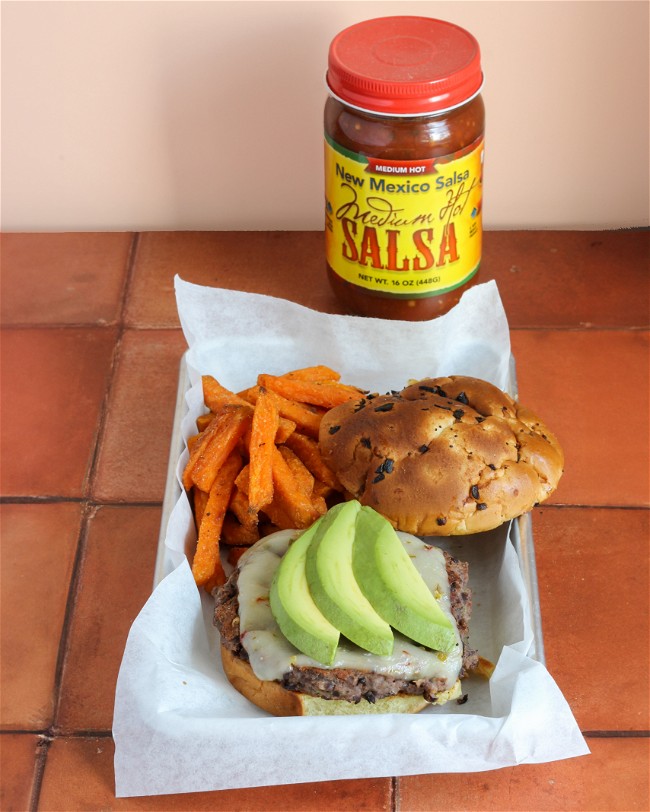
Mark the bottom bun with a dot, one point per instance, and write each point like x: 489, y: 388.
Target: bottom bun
x: 273, y: 698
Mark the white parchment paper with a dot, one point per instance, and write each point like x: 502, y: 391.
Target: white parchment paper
x: 178, y: 724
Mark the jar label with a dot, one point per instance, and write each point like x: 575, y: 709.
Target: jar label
x: 408, y: 228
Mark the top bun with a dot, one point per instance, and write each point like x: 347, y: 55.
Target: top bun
x: 443, y: 457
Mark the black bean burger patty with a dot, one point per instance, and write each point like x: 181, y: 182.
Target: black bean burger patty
x: 349, y: 683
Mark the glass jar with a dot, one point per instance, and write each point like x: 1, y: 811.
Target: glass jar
x: 404, y: 124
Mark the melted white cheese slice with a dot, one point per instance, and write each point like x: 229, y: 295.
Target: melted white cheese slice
x: 272, y: 655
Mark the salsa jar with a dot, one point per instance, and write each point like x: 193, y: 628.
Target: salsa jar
x: 404, y: 124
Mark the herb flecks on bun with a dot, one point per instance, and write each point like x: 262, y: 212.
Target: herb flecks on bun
x: 445, y: 456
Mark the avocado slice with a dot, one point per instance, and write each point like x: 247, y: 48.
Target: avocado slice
x: 333, y: 585
x: 293, y: 607
x: 391, y: 582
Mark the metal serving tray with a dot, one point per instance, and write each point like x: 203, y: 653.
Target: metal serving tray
x: 521, y: 531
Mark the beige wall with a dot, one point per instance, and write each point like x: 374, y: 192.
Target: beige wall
x: 207, y: 115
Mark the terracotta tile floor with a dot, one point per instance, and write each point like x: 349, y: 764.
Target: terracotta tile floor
x: 90, y: 351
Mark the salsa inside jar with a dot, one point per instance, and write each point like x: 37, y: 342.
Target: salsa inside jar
x: 404, y: 181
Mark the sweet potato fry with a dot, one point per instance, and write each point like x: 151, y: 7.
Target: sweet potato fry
x: 285, y: 429
x: 306, y: 419
x: 234, y: 534
x: 307, y: 450
x: 272, y: 428
x: 322, y: 490
x: 319, y: 503
x: 290, y: 497
x: 215, y: 395
x: 192, y: 441
x: 266, y: 528
x: 199, y: 501
x: 234, y: 554
x: 304, y: 479
x: 315, y: 373
x: 316, y: 393
x: 217, y: 580
x: 277, y: 518
x: 229, y: 424
x: 240, y: 507
x: 266, y: 421
x: 204, y: 420
x: 484, y: 668
x: 194, y: 446
x: 206, y: 567
x: 249, y: 395
x: 243, y: 479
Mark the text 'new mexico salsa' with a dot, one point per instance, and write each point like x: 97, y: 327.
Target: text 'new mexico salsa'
x: 404, y: 127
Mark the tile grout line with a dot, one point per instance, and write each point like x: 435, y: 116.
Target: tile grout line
x: 89, y: 505
x: 75, y: 500
x: 616, y: 734
x: 142, y: 328
x: 44, y: 742
x: 42, y: 747
x: 92, y: 465
x: 89, y: 509
x: 394, y: 794
x: 559, y: 328
x: 50, y: 500
x: 48, y: 736
x: 128, y: 280
x: 105, y: 733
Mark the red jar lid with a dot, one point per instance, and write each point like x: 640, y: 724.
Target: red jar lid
x: 404, y: 65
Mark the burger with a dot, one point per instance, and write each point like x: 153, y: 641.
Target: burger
x: 442, y: 457
x: 269, y: 671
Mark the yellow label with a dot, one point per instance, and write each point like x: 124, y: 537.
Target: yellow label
x: 408, y: 228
